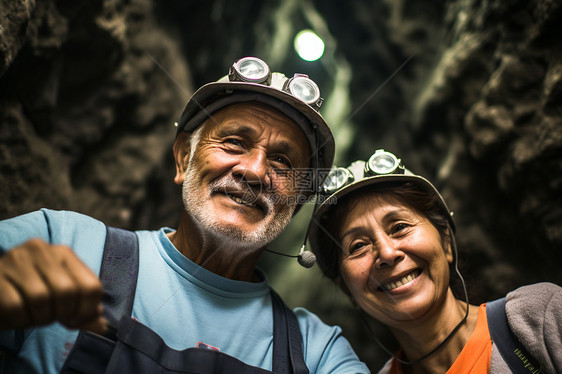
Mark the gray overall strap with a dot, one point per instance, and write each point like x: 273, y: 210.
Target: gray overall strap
x: 119, y: 271
x: 512, y: 351
x: 118, y: 274
x: 287, y: 339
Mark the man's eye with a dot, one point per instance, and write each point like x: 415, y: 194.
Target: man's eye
x: 233, y: 142
x: 282, y: 161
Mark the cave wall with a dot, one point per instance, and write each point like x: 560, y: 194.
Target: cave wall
x: 86, y: 114
x: 467, y: 92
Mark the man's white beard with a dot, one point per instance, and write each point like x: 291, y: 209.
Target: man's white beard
x: 232, y: 236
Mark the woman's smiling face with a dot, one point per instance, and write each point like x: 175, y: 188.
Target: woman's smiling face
x: 393, y: 261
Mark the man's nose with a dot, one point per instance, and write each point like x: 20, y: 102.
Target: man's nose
x: 253, y: 167
x: 388, y: 252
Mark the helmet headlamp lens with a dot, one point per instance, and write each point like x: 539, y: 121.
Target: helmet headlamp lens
x: 382, y: 162
x: 252, y: 69
x: 336, y: 179
x: 305, y: 89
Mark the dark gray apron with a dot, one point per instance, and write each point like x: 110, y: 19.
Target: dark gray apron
x: 131, y: 347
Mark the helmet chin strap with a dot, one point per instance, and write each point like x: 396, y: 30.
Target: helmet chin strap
x: 404, y: 362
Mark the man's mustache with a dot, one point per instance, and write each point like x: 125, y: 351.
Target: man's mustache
x: 251, y: 194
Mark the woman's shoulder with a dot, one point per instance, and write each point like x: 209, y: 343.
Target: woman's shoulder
x: 533, y: 314
x: 536, y: 296
x: 533, y: 305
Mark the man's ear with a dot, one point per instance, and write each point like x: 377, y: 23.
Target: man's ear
x: 181, y: 151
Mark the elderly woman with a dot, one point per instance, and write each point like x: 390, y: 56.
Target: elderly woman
x: 386, y: 237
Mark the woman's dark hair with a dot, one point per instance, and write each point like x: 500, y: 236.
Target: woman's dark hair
x: 328, y: 250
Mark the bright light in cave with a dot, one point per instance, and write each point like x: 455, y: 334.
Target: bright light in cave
x: 308, y: 45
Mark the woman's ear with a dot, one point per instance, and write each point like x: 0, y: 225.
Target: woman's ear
x: 181, y: 151
x: 447, y: 247
x: 449, y: 254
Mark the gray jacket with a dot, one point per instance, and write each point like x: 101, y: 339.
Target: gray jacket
x: 534, y: 314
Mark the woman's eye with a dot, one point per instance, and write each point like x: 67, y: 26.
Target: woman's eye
x: 356, y: 246
x: 399, y: 227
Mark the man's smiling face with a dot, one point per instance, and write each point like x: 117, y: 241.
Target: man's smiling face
x: 239, y: 177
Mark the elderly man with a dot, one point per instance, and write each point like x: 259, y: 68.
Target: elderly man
x: 197, y: 301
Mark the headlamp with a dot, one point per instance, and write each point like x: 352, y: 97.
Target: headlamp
x: 304, y: 88
x: 380, y: 163
x: 336, y: 179
x: 250, y: 69
x: 383, y: 162
x: 254, y: 70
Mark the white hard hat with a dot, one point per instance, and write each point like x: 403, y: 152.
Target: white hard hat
x: 251, y: 80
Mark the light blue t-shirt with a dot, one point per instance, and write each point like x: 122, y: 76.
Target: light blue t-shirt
x: 182, y: 302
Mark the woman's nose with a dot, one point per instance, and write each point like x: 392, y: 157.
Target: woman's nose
x: 388, y: 252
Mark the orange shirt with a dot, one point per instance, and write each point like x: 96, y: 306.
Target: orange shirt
x: 476, y: 355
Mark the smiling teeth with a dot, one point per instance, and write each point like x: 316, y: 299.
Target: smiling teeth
x: 240, y: 201
x: 405, y: 280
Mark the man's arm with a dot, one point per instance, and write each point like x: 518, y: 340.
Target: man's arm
x: 42, y: 283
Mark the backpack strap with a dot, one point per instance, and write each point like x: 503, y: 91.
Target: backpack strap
x: 287, y: 339
x: 119, y: 271
x: 512, y: 351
